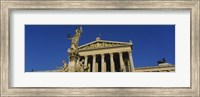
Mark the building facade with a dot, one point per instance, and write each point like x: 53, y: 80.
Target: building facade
x: 107, y: 56
x: 113, y: 56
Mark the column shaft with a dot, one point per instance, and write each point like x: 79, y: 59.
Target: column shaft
x: 86, y: 62
x: 122, y: 67
x: 89, y: 66
x: 102, y: 63
x: 112, y: 63
x: 131, y: 61
x: 94, y: 64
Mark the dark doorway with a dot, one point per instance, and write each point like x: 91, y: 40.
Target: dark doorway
x: 90, y: 63
x: 107, y: 60
x: 117, y: 62
x: 98, y: 61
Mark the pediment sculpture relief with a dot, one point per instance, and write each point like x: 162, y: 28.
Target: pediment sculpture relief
x: 100, y: 45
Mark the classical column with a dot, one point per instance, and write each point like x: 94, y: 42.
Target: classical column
x: 97, y: 67
x: 112, y: 63
x: 103, y: 67
x: 89, y: 66
x: 94, y: 63
x: 122, y: 67
x: 131, y: 61
x: 86, y: 61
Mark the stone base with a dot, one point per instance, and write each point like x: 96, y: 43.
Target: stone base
x: 72, y: 66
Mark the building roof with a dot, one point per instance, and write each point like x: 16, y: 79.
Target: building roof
x: 162, y: 65
x: 98, y: 43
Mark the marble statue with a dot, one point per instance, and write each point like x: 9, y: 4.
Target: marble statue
x: 75, y: 39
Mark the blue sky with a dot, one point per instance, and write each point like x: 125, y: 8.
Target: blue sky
x: 46, y: 45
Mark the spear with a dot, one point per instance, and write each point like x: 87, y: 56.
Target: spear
x: 81, y: 30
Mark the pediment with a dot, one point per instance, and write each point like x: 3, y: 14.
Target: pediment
x: 100, y: 44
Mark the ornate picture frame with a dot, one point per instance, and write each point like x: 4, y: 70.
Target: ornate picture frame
x: 8, y: 5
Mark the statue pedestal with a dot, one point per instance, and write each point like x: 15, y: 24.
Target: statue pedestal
x: 72, y: 60
x: 72, y: 66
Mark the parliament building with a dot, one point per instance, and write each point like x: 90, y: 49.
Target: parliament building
x: 113, y: 56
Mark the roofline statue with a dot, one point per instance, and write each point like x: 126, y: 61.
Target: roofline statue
x: 161, y: 61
